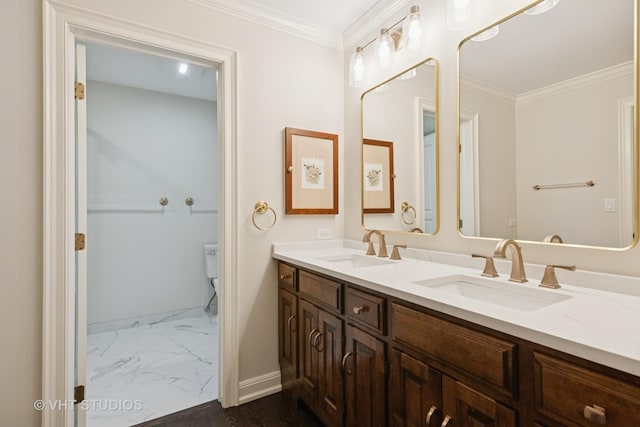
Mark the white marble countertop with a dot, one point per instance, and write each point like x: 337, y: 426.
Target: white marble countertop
x: 599, y: 322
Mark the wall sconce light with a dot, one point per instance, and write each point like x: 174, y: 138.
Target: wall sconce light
x: 543, y: 7
x: 356, y: 68
x: 385, y: 47
x: 412, y: 29
x: 389, y: 40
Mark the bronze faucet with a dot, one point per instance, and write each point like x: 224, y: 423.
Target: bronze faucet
x: 382, y: 245
x: 517, y: 266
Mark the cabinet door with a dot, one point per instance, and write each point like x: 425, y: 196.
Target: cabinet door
x: 308, y: 356
x: 364, y: 370
x: 288, y: 340
x: 330, y: 384
x: 464, y: 406
x: 415, y: 393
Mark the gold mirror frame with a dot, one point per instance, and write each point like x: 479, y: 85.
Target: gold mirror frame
x: 403, y: 210
x: 635, y: 146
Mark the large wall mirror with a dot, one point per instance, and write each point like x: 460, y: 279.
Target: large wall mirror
x: 400, y: 152
x: 547, y: 126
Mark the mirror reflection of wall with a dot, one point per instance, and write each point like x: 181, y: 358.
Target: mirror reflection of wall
x: 549, y: 101
x: 403, y: 111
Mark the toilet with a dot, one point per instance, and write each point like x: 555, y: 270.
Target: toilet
x: 211, y: 270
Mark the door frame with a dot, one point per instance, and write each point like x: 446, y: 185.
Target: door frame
x: 63, y: 25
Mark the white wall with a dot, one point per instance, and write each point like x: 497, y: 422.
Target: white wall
x: 577, y: 130
x: 21, y: 218
x: 142, y: 145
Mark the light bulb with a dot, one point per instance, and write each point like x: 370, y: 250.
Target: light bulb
x: 412, y: 28
x: 385, y: 47
x: 183, y: 68
x: 356, y: 68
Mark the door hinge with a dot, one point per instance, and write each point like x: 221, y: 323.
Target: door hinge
x: 460, y: 224
x: 79, y: 90
x: 80, y: 241
x: 78, y: 394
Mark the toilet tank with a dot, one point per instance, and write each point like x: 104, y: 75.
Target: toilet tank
x: 211, y: 260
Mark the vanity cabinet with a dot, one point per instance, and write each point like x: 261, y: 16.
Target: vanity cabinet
x: 365, y: 377
x: 361, y: 358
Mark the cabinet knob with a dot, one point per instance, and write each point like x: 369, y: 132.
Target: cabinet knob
x: 285, y: 276
x: 445, y: 421
x: 344, y: 363
x: 360, y: 309
x: 432, y: 411
x: 596, y: 414
x: 289, y: 323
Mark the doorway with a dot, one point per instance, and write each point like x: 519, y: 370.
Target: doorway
x: 63, y: 28
x: 151, y: 210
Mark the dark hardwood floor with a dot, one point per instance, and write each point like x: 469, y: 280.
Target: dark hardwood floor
x: 270, y: 411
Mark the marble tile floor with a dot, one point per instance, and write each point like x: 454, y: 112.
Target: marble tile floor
x: 141, y: 373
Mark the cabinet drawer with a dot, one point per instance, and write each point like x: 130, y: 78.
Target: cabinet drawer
x: 568, y: 394
x: 487, y: 358
x: 320, y: 289
x: 286, y: 276
x: 364, y: 308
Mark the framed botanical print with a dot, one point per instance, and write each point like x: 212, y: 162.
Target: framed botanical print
x: 311, y: 172
x: 378, y: 177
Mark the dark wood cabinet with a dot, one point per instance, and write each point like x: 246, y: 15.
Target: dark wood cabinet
x: 288, y: 341
x: 415, y: 393
x: 361, y: 358
x: 464, y: 406
x: 364, y: 369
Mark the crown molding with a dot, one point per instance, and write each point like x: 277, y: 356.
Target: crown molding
x: 588, y: 79
x: 372, y: 20
x: 276, y: 20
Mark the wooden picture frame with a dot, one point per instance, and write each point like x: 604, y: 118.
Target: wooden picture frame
x: 377, y: 176
x: 311, y: 172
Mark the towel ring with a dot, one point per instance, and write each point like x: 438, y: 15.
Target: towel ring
x: 406, y: 207
x: 262, y: 207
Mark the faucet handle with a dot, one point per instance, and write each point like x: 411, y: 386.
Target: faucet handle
x: 370, y: 249
x: 549, y: 279
x: 489, y: 266
x: 395, y: 253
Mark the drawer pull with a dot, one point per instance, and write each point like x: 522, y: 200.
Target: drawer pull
x: 286, y: 276
x: 596, y: 414
x: 289, y: 323
x: 344, y: 363
x: 432, y: 411
x: 316, y: 342
x: 315, y: 331
x: 360, y: 309
x: 445, y: 421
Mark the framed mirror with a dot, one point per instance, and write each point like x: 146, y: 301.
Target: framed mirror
x: 547, y: 128
x: 400, y: 117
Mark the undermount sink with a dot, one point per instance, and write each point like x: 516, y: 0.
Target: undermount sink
x: 516, y: 297
x: 357, y: 261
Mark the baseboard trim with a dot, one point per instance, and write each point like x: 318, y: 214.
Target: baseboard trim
x: 255, y: 388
